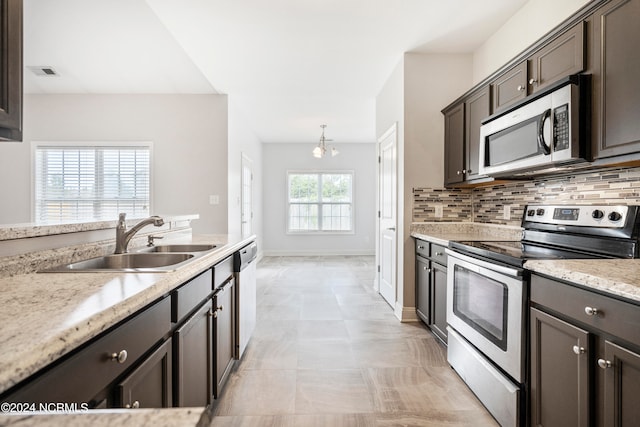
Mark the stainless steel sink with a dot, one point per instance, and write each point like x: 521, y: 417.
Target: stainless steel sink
x: 130, y: 262
x: 180, y: 248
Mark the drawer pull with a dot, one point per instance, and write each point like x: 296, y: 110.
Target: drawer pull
x: 578, y: 350
x: 591, y: 311
x: 420, y: 247
x: 120, y: 357
x: 604, y: 364
x: 439, y: 254
x: 134, y: 405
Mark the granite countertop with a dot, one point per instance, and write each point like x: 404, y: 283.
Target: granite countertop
x: 170, y: 417
x: 46, y: 315
x: 618, y: 277
x: 443, y: 232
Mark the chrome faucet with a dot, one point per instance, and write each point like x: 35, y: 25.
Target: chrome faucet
x: 123, y: 236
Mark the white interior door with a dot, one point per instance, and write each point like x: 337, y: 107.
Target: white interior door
x: 246, y: 204
x: 387, y: 212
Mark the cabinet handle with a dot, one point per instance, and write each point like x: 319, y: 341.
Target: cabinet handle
x: 532, y: 81
x: 134, y: 405
x: 439, y: 254
x: 420, y: 247
x: 604, y: 364
x: 591, y: 311
x: 120, y: 357
x: 459, y: 172
x: 469, y: 171
x: 578, y: 350
x: 220, y: 308
x: 520, y: 88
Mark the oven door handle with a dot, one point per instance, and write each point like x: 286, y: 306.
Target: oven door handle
x: 514, y: 272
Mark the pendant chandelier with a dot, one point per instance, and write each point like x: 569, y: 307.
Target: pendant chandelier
x: 321, y: 149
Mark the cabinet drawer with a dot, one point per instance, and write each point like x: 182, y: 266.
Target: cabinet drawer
x: 613, y: 316
x: 222, y: 271
x: 82, y: 376
x: 186, y: 298
x: 438, y: 254
x: 422, y: 248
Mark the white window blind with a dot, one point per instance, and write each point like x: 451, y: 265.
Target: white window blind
x: 91, y: 182
x: 320, y: 202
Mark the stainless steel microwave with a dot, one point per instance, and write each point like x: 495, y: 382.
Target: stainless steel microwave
x: 540, y: 134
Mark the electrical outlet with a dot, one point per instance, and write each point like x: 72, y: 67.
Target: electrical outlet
x: 438, y: 211
x: 506, y: 212
x: 214, y: 199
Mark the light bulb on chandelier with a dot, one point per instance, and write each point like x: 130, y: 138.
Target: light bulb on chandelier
x: 321, y: 149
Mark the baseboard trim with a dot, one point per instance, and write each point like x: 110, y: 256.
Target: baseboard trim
x: 406, y: 314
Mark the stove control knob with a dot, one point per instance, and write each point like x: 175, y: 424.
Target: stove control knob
x: 615, y: 216
x: 531, y: 212
x: 540, y: 212
x: 597, y: 214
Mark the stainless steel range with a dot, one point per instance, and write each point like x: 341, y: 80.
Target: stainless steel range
x: 488, y: 291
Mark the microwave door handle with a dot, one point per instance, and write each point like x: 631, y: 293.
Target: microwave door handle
x: 541, y: 142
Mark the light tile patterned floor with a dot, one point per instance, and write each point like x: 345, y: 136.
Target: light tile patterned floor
x: 328, y: 351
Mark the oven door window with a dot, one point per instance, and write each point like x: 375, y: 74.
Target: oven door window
x: 481, y: 302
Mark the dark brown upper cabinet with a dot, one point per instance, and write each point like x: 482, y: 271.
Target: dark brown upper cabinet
x: 454, y: 144
x: 616, y: 85
x: 510, y: 87
x: 11, y: 70
x: 560, y: 57
x: 462, y: 137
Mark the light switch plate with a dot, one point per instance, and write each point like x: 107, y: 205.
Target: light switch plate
x: 214, y: 199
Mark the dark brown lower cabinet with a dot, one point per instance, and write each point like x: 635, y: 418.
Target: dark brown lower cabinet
x: 193, y: 359
x: 150, y: 384
x: 423, y: 294
x: 223, y: 319
x: 621, y: 386
x: 559, y: 372
x: 585, y: 357
x: 439, y: 301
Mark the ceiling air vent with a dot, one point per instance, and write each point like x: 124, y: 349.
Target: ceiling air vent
x: 43, y: 70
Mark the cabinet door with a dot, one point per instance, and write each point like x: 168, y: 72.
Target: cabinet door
x: 559, y: 372
x: 193, y: 359
x: 149, y: 385
x: 622, y: 386
x: 560, y: 58
x: 510, y: 87
x: 423, y: 294
x: 477, y: 108
x: 11, y: 70
x: 224, y: 334
x: 439, y: 301
x: 616, y: 103
x: 454, y: 145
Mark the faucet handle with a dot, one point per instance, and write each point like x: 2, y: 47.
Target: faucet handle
x: 151, y: 238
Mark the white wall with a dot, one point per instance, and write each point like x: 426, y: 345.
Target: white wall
x: 525, y: 27
x: 189, y: 133
x: 243, y: 141
x: 280, y: 158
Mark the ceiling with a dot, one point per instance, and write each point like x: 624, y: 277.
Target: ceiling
x: 287, y: 65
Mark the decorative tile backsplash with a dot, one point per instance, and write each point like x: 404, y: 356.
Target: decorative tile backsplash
x: 486, y: 205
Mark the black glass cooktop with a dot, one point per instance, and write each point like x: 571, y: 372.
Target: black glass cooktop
x: 516, y: 253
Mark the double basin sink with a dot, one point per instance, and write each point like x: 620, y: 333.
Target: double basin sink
x: 161, y: 258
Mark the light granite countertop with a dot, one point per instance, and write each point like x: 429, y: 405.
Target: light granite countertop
x: 443, y: 232
x: 618, y: 277
x: 46, y: 315
x: 171, y: 417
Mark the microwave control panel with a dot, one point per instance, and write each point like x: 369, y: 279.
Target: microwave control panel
x: 561, y: 127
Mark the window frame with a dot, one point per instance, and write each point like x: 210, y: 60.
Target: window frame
x: 87, y: 144
x: 321, y: 232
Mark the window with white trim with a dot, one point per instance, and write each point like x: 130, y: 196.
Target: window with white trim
x: 320, y: 202
x: 91, y: 182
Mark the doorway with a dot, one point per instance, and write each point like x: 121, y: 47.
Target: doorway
x: 387, y: 213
